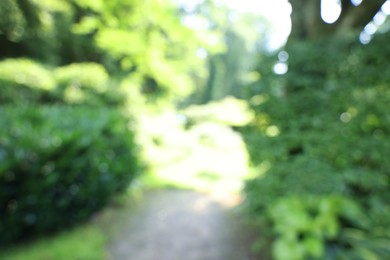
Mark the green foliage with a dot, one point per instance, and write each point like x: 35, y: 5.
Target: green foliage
x: 59, y: 165
x: 304, y: 224
x: 82, y: 75
x: 26, y: 81
x: 85, y: 83
x: 11, y: 20
x: 23, y: 80
x: 143, y: 41
x: 322, y: 131
x: 147, y: 40
x: 152, y: 44
x: 34, y: 28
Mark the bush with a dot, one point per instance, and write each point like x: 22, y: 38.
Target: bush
x: 59, y: 165
x: 325, y: 136
x: 85, y: 83
x: 24, y: 81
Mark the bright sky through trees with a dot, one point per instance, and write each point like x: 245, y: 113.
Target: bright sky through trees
x: 330, y: 10
x: 278, y: 12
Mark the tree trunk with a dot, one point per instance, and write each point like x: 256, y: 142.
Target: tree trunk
x: 307, y: 23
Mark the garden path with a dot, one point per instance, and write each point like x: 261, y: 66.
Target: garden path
x: 178, y: 225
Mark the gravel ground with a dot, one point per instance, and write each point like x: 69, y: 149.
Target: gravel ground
x: 178, y: 225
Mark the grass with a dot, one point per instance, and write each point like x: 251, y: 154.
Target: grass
x: 85, y: 242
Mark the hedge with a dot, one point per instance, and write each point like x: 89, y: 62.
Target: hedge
x: 24, y: 81
x: 27, y: 81
x: 59, y: 165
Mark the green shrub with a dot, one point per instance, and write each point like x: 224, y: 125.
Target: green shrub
x: 85, y: 83
x: 304, y: 224
x: 26, y: 81
x: 59, y: 165
x: 23, y: 80
x: 325, y: 135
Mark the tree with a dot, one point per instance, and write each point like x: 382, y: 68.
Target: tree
x: 307, y: 22
x: 320, y: 136
x: 144, y: 41
x: 308, y: 27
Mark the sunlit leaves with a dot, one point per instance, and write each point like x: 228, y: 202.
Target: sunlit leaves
x: 120, y: 43
x: 81, y: 82
x: 86, y: 25
x: 27, y: 73
x: 147, y: 38
x: 131, y: 38
x: 303, y: 224
x: 94, y: 5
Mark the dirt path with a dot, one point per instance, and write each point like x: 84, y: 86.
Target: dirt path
x: 177, y: 224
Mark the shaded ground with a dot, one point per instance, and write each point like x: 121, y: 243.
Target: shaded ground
x: 178, y: 224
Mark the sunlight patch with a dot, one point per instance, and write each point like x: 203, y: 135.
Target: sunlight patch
x: 272, y: 131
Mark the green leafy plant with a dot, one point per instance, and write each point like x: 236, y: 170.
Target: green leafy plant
x: 87, y: 84
x: 321, y: 131
x: 59, y: 165
x: 23, y: 81
x: 303, y: 225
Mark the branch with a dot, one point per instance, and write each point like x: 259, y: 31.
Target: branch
x: 356, y: 17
